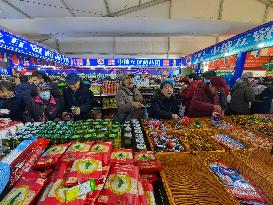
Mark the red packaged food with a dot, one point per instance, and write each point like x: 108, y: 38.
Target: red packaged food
x: 147, y: 162
x: 149, y: 192
x: 56, y: 195
x: 85, y: 167
x: 77, y: 147
x: 151, y: 178
x: 121, y: 186
x: 122, y: 156
x: 26, y: 190
x: 92, y: 197
x: 28, y: 160
x: 105, y: 148
x: 51, y: 157
x: 141, y: 195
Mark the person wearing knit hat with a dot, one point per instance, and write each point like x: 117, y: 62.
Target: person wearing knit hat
x: 206, y: 99
x: 44, y: 107
x: 129, y: 100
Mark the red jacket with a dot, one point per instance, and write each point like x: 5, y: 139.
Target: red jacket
x: 187, y: 94
x: 202, y: 104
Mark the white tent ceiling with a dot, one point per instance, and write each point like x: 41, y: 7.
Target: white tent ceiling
x: 124, y: 28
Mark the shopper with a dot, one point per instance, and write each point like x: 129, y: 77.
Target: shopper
x: 206, y: 100
x: 187, y: 94
x: 78, y: 98
x: 38, y: 78
x: 11, y: 105
x: 44, y: 107
x: 263, y: 99
x: 24, y: 89
x: 129, y: 100
x: 242, y: 94
x: 164, y: 104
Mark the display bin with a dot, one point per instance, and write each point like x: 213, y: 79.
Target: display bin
x: 255, y: 138
x: 239, y: 164
x: 258, y: 160
x: 171, y: 132
x: 265, y: 130
x: 187, y: 181
x: 198, y: 140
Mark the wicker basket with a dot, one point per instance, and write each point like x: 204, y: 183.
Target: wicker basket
x: 198, y: 140
x: 188, y: 181
x: 258, y: 160
x: 234, y: 162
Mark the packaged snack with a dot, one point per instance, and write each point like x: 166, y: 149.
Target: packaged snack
x: 105, y: 148
x: 121, y: 186
x: 141, y: 195
x: 228, y: 141
x: 92, y: 197
x: 151, y: 178
x: 27, y: 160
x: 77, y: 147
x: 236, y: 184
x: 25, y: 191
x: 51, y: 157
x: 85, y: 167
x: 149, y: 192
x: 147, y: 162
x: 122, y: 156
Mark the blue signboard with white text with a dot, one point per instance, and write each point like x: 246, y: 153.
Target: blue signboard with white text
x: 14, y: 43
x: 246, y: 41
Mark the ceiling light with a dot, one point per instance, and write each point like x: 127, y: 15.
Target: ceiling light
x: 261, y: 45
x: 226, y: 54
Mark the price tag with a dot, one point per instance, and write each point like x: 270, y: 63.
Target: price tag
x: 79, y: 190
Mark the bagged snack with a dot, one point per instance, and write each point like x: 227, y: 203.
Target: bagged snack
x: 92, y: 197
x: 149, y: 192
x: 236, y: 184
x: 77, y: 147
x: 121, y: 186
x: 122, y: 156
x: 51, y: 157
x: 147, y: 162
x: 151, y: 178
x: 141, y: 195
x: 228, y: 141
x: 86, y: 166
x: 26, y: 190
x: 27, y: 160
x: 105, y: 148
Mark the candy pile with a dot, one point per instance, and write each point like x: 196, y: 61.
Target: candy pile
x: 228, y: 141
x: 154, y: 125
x: 164, y: 142
x: 237, y: 185
x: 62, y: 132
x: 198, y: 141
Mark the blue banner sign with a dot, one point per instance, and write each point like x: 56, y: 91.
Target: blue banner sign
x: 128, y: 62
x: 246, y: 41
x: 14, y: 43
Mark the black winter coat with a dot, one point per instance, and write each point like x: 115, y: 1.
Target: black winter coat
x: 82, y: 98
x: 163, y: 108
x: 38, y: 110
x: 26, y: 91
x: 16, y: 105
x: 262, y: 102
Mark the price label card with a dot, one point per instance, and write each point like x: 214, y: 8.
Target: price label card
x: 79, y: 190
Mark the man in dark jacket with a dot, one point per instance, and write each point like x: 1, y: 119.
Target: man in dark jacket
x: 11, y: 105
x: 44, y: 107
x: 24, y: 89
x: 206, y: 99
x: 164, y: 104
x: 78, y: 98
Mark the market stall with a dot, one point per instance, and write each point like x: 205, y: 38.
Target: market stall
x: 149, y: 162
